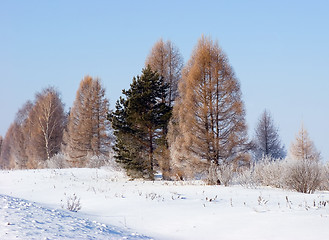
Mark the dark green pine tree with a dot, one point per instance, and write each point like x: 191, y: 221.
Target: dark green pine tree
x: 140, y: 124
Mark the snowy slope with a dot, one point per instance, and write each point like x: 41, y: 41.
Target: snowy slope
x: 21, y: 219
x: 166, y: 210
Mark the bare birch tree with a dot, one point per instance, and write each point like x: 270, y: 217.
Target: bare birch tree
x: 46, y: 123
x: 208, y: 125
x: 88, y: 128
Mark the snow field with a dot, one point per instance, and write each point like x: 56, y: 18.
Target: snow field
x: 174, y: 210
x: 22, y: 219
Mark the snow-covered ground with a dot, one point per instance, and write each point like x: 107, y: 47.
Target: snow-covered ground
x: 115, y: 208
x: 21, y: 219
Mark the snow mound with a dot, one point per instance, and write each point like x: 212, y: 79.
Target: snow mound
x: 21, y: 219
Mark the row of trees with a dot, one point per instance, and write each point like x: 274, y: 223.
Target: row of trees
x: 267, y: 143
x: 36, y: 134
x: 42, y: 129
x: 183, y: 121
x: 207, y: 125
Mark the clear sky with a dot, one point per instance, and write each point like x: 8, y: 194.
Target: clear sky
x: 278, y: 49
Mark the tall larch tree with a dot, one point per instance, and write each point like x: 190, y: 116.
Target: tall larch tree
x: 138, y: 121
x: 166, y: 59
x: 88, y: 128
x: 303, y: 147
x: 208, y: 124
x: 267, y: 140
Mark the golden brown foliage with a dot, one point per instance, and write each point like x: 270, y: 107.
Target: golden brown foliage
x: 208, y: 122
x: 166, y: 59
x: 7, y: 159
x: 15, y: 144
x: 88, y: 128
x: 303, y: 147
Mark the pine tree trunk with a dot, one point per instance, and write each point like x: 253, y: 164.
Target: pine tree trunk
x: 151, y: 152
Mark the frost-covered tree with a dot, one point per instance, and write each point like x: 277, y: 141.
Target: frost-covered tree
x: 305, y: 172
x: 36, y: 134
x: 267, y: 140
x: 166, y: 59
x: 208, y: 124
x: 16, y: 141
x: 303, y: 147
x: 87, y: 131
x: 46, y: 122
x: 7, y: 156
x: 1, y: 140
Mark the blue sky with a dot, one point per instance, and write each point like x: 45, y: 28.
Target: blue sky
x: 278, y: 49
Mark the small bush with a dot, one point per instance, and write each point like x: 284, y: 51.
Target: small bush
x: 220, y: 175
x: 58, y: 161
x: 304, y: 175
x: 265, y: 172
x: 245, y: 178
x: 269, y: 172
x: 97, y: 161
x: 225, y: 174
x: 325, y: 178
x: 73, y: 203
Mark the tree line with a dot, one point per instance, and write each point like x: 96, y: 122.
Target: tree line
x: 182, y: 120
